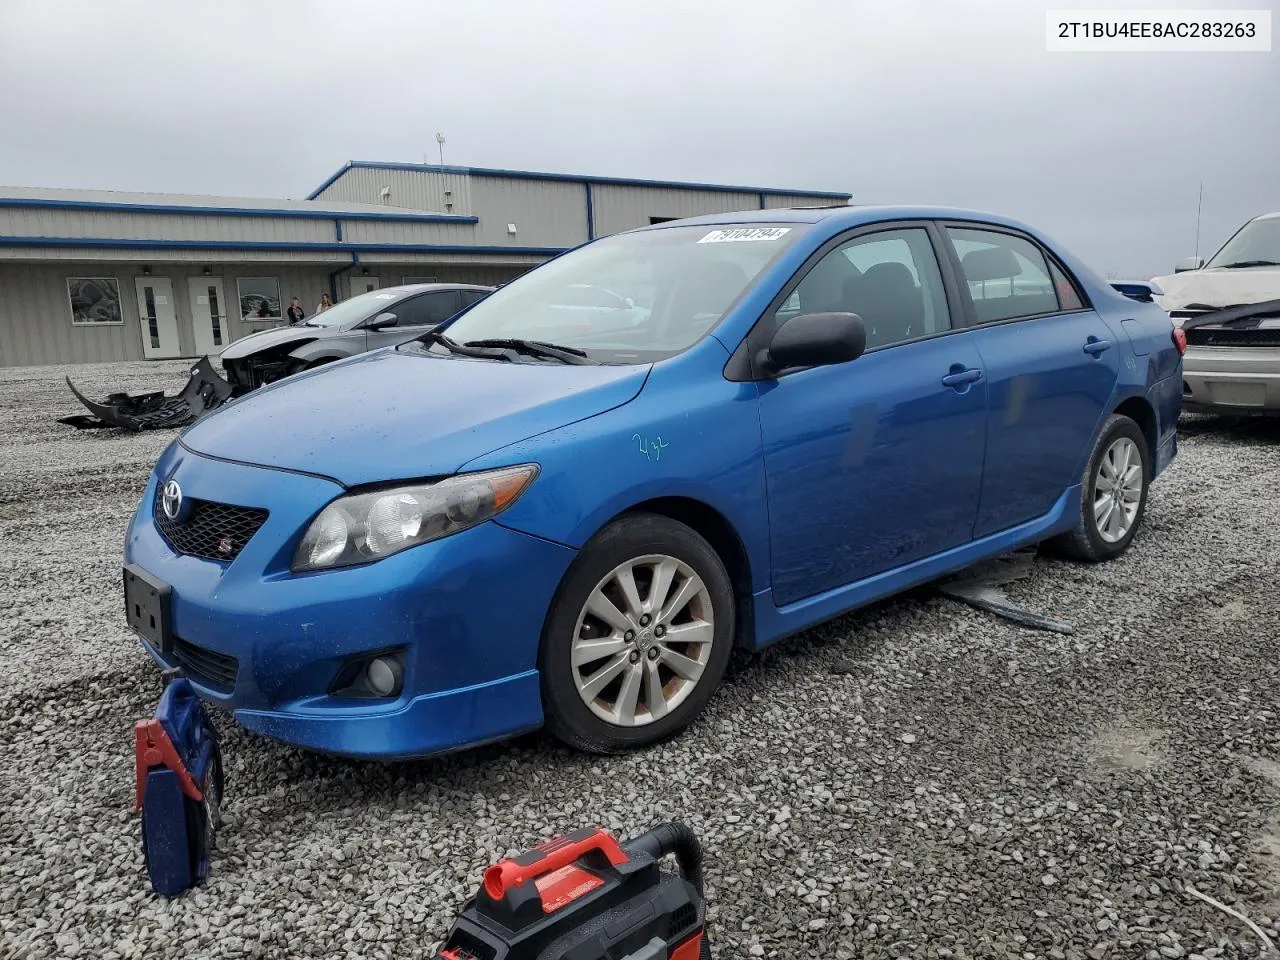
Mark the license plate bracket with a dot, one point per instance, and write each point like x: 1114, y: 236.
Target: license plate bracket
x: 146, y: 607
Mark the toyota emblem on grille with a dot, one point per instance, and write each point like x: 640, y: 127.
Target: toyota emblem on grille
x: 171, y: 500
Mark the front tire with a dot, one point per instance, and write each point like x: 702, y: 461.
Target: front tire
x: 638, y: 637
x: 1113, y: 494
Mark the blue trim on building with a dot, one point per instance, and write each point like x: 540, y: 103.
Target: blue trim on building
x: 304, y: 246
x: 591, y: 212
x: 32, y: 203
x: 329, y: 181
x: 572, y: 178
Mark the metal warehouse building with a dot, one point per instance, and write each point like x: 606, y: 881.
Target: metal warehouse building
x: 96, y: 275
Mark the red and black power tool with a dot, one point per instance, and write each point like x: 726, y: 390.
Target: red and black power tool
x: 588, y: 897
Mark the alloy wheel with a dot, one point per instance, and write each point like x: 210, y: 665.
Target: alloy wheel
x: 1117, y: 490
x: 642, y: 640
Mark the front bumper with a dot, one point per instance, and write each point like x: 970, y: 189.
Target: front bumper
x: 1231, y: 379
x: 467, y: 612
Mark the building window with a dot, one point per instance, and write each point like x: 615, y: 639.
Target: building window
x: 409, y: 280
x: 653, y: 220
x: 259, y: 299
x: 94, y: 300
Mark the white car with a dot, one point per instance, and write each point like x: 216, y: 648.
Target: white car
x: 1229, y: 308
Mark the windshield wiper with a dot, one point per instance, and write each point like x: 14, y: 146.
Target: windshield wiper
x: 463, y: 349
x: 535, y: 348
x: 1250, y: 263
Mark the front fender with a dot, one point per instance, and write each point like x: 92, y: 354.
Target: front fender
x: 326, y: 350
x: 689, y: 433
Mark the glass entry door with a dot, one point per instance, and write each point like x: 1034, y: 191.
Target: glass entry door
x: 157, y: 317
x: 208, y: 315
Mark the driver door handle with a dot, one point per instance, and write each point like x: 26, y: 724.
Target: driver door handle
x: 1093, y: 346
x: 961, y: 377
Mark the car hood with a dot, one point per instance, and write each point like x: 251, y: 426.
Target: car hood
x: 1219, y: 288
x: 390, y: 415
x: 275, y: 337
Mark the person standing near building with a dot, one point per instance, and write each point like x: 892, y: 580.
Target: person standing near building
x: 325, y: 304
x: 295, y: 312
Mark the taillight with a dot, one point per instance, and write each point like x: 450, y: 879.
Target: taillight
x: 1180, y: 340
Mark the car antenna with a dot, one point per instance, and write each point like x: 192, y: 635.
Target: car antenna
x: 1199, y: 204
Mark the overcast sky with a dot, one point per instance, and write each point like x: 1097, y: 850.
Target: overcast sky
x: 937, y: 102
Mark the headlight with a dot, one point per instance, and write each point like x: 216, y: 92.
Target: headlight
x: 369, y: 526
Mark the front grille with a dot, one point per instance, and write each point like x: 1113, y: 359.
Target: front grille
x: 215, y: 670
x: 213, y: 531
x: 1233, y: 337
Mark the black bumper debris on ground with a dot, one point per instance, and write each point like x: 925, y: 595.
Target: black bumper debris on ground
x: 205, y: 391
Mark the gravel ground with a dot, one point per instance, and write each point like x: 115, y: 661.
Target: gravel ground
x: 917, y: 779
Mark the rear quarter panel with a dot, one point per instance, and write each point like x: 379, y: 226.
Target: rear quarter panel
x: 1152, y: 366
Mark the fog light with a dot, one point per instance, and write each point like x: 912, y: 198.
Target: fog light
x: 384, y: 676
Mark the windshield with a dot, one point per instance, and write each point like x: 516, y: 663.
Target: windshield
x: 355, y: 309
x: 633, y: 297
x: 1257, y: 240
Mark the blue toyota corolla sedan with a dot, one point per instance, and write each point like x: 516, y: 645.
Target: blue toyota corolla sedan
x: 550, y: 513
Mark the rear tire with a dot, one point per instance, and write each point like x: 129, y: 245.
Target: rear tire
x: 1113, y: 494
x: 646, y: 668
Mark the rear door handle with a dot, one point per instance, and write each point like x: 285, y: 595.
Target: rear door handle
x: 1093, y: 346
x: 961, y: 377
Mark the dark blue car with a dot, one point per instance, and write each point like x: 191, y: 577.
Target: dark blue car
x: 544, y: 514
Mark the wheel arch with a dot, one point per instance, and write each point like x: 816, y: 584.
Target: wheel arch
x: 1140, y: 411
x: 714, y: 527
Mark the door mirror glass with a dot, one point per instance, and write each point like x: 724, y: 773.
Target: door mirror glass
x: 815, y: 340
x: 383, y: 320
x: 1188, y: 263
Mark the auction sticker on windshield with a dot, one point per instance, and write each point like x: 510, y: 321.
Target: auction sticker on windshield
x: 738, y: 234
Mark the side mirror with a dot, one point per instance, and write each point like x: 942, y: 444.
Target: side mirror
x: 1188, y: 263
x: 815, y: 340
x: 382, y: 320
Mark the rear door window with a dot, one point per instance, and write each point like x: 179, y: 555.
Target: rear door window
x: 1006, y: 275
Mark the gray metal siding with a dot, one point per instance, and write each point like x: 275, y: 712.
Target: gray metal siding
x: 774, y: 201
x: 411, y: 189
x: 35, y: 317
x: 35, y: 314
x: 391, y: 231
x: 452, y: 259
x: 546, y: 214
x: 52, y: 222
x: 74, y: 254
x: 624, y: 208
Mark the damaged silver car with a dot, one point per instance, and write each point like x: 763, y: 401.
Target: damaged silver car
x: 380, y: 318
x: 1229, y: 312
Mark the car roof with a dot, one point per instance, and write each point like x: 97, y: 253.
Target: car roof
x: 843, y: 216
x: 408, y: 288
